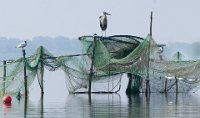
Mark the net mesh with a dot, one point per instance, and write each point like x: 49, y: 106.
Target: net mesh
x: 112, y: 57
x: 175, y: 75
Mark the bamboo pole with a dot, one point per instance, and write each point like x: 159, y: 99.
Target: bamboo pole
x: 25, y: 76
x: 178, y: 59
x: 129, y: 87
x: 92, y: 64
x: 42, y: 71
x: 165, y: 85
x: 4, y: 75
x: 148, y: 60
x: 74, y: 55
x: 176, y: 84
x: 151, y: 23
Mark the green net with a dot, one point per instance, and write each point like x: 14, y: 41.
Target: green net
x: 112, y: 57
x: 12, y: 79
x: 169, y: 76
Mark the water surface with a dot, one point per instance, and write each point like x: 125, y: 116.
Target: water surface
x: 58, y: 103
x: 106, y: 106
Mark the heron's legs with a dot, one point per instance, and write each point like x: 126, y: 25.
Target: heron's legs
x: 103, y: 33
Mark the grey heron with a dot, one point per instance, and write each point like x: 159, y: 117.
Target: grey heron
x: 103, y: 22
x: 22, y: 45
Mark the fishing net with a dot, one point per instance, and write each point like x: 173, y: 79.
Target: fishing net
x: 103, y: 61
x: 12, y: 76
x: 143, y: 58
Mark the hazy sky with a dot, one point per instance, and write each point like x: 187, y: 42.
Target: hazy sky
x: 173, y: 20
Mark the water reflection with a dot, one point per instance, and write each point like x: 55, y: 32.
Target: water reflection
x: 42, y: 105
x: 6, y: 107
x: 101, y: 105
x: 106, y: 106
x: 25, y: 106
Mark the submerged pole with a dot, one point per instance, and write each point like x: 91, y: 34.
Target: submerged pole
x: 148, y: 60
x: 92, y: 63
x: 25, y: 77
x: 4, y: 75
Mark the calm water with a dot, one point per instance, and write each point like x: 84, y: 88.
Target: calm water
x: 57, y: 103
x: 106, y: 106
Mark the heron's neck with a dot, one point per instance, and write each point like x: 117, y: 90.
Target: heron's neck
x: 104, y: 16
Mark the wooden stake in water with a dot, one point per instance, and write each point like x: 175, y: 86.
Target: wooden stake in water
x: 25, y: 77
x: 42, y: 71
x: 165, y: 85
x: 92, y: 64
x: 178, y: 59
x: 176, y: 84
x: 148, y: 60
x: 4, y: 75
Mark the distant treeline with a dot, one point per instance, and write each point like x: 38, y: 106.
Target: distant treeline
x: 58, y: 46
x: 62, y: 46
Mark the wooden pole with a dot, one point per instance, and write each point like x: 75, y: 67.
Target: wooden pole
x: 176, y: 84
x: 148, y: 60
x: 129, y: 87
x: 151, y: 23
x: 92, y: 64
x: 42, y: 71
x: 176, y: 79
x: 4, y: 75
x: 25, y: 77
x: 165, y: 86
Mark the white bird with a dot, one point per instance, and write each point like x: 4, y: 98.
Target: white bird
x: 103, y: 22
x: 22, y: 45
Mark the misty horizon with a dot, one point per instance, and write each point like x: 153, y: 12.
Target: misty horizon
x: 63, y: 46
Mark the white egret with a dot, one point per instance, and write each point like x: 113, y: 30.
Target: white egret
x: 22, y: 45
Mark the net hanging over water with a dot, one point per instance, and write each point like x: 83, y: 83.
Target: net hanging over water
x: 111, y: 56
x: 126, y: 55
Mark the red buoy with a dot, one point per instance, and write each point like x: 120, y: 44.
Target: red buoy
x: 6, y: 99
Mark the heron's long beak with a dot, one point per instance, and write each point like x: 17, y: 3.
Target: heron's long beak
x: 107, y: 13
